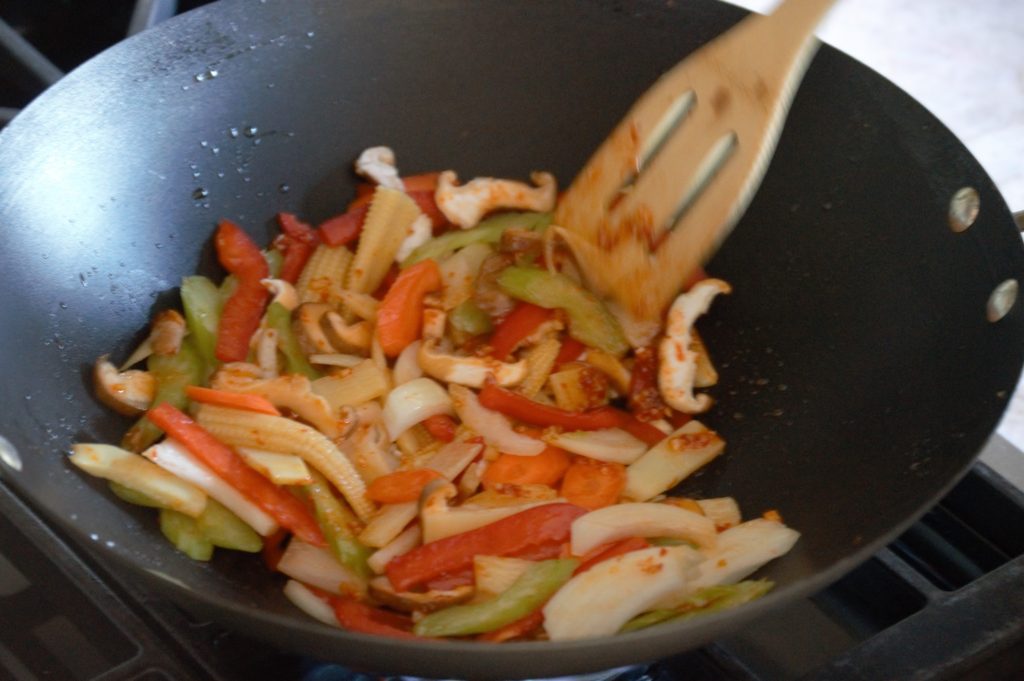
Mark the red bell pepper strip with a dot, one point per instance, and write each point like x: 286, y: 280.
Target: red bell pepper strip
x: 242, y: 311
x: 273, y: 548
x: 400, y: 314
x: 526, y: 410
x: 297, y: 242
x: 345, y: 228
x: 286, y: 509
x: 441, y: 427
x: 524, y: 319
x: 570, y: 351
x: 524, y: 534
x: 603, y: 552
x: 640, y: 430
x: 366, y: 619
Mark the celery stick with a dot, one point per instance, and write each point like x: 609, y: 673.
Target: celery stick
x: 275, y: 259
x: 337, y: 523
x: 705, y: 601
x: 223, y: 528
x: 590, y: 322
x: 279, y: 318
x: 487, y: 232
x: 470, y: 319
x: 173, y: 373
x: 185, y: 534
x: 529, y: 592
x: 202, y: 303
x: 132, y: 496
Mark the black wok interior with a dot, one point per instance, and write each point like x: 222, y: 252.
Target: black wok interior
x: 859, y: 374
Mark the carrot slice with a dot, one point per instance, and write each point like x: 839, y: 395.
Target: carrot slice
x: 223, y: 398
x: 545, y: 468
x: 593, y: 484
x: 401, y: 311
x: 285, y: 508
x: 400, y: 486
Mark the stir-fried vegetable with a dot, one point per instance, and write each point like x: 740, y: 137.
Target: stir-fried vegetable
x: 526, y: 595
x: 463, y: 446
x: 487, y: 232
x: 590, y: 322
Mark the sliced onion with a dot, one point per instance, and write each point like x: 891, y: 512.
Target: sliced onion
x: 492, y: 426
x: 318, y: 567
x: 172, y: 456
x: 609, y: 444
x: 640, y: 520
x: 309, y: 603
x: 412, y: 402
x: 407, y: 366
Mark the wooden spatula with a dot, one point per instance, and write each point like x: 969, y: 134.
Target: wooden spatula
x: 664, y: 190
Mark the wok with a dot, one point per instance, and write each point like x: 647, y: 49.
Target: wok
x: 860, y: 374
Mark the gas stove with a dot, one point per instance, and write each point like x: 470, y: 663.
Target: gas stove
x: 944, y: 601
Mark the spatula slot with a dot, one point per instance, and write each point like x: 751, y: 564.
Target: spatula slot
x: 676, y: 112
x: 713, y: 162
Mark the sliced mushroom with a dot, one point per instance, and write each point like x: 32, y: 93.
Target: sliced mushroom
x: 487, y: 295
x: 469, y: 371
x: 291, y: 391
x: 283, y: 292
x: 434, y: 321
x: 464, y: 205
x: 678, y: 366
x: 411, y: 601
x: 377, y: 164
x: 355, y: 337
x: 312, y: 337
x: 168, y: 331
x: 126, y: 392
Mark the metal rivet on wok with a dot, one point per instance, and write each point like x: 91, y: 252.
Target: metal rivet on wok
x: 9, y: 455
x: 963, y: 209
x: 1002, y: 299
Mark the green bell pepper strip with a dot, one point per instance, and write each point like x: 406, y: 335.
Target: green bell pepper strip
x: 173, y: 373
x: 337, y: 523
x: 202, y: 303
x: 469, y: 318
x: 487, y: 232
x: 705, y: 601
x: 185, y: 534
x: 279, y: 318
x: 590, y: 322
x: 528, y: 593
x: 275, y: 260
